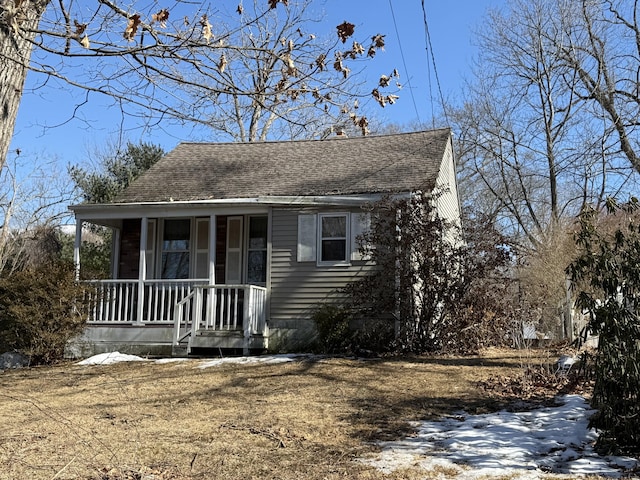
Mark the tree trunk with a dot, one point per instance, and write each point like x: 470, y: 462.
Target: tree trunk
x: 17, y: 22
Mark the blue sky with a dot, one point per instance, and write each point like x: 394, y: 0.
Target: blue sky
x: 450, y: 27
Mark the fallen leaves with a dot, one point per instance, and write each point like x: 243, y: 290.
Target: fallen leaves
x: 535, y: 383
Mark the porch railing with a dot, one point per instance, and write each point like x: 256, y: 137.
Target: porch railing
x: 221, y: 308
x: 190, y: 304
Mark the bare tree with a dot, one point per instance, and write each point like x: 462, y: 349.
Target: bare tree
x: 529, y: 147
x: 33, y: 200
x: 184, y: 62
x: 603, y: 49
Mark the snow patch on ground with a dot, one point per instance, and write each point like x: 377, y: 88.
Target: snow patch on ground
x: 253, y: 360
x: 520, y: 445
x: 110, y: 358
x: 116, y: 357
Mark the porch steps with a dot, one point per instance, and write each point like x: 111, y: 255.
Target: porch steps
x: 229, y: 339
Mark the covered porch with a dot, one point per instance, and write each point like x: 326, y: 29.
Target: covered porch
x: 180, y: 280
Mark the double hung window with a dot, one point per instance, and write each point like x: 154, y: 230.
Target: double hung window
x: 332, y: 240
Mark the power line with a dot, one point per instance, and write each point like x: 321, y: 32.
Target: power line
x: 429, y: 50
x: 404, y: 63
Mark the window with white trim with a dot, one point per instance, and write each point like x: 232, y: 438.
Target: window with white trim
x: 333, y: 235
x: 331, y: 238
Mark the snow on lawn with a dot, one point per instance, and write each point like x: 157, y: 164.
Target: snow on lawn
x: 520, y: 445
x: 115, y: 357
x: 517, y: 445
x: 110, y: 358
x: 253, y: 360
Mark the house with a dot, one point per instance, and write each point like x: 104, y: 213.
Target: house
x: 233, y: 245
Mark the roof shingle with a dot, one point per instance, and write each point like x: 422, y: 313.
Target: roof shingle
x: 336, y: 166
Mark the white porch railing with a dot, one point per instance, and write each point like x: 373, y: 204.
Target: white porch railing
x: 221, y: 308
x: 187, y: 304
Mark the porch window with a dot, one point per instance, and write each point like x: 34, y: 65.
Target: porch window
x: 175, y: 249
x: 332, y: 241
x: 257, y: 250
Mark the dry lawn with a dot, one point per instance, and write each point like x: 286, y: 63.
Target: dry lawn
x: 301, y: 420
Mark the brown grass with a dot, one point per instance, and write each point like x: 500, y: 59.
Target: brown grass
x: 304, y: 420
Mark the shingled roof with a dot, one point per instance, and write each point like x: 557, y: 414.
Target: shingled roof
x: 336, y: 166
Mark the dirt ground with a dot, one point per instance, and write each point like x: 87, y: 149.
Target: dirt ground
x: 307, y: 419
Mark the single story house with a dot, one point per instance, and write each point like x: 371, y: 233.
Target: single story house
x: 232, y: 245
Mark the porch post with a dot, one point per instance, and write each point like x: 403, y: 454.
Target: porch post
x: 142, y: 275
x: 212, y: 249
x: 76, y: 249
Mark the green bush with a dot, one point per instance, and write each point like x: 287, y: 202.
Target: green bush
x: 41, y: 309
x: 607, y: 274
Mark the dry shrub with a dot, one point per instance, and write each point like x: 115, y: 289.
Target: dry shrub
x: 41, y: 309
x: 543, y: 282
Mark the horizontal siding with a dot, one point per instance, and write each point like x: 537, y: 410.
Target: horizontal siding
x: 296, y: 288
x: 448, y: 203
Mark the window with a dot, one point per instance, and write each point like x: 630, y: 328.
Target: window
x: 175, y: 249
x: 257, y: 250
x: 332, y: 238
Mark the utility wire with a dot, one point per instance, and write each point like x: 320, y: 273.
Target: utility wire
x: 429, y: 50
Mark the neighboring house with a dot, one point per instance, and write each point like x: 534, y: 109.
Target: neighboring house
x: 233, y: 245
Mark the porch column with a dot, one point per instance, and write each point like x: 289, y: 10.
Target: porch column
x: 142, y: 269
x: 76, y: 249
x: 212, y: 249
